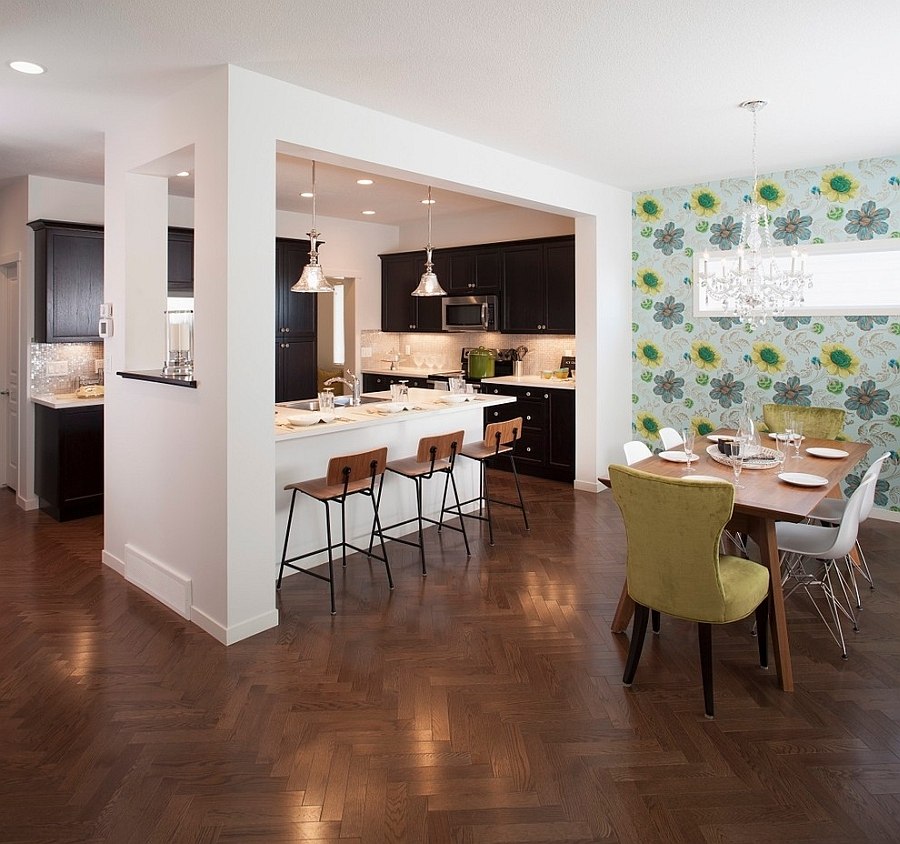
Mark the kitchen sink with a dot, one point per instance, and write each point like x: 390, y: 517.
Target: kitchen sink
x: 339, y: 401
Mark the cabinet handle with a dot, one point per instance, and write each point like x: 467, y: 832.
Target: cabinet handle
x: 528, y: 448
x: 496, y: 391
x: 496, y: 413
x: 546, y: 395
x: 528, y: 392
x: 527, y: 418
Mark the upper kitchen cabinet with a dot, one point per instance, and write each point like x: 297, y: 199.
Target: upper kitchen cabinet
x: 295, y: 313
x: 539, y: 287
x: 472, y: 271
x: 68, y: 281
x: 180, y: 262
x: 400, y: 310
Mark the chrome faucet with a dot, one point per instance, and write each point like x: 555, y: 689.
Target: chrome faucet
x: 353, y: 383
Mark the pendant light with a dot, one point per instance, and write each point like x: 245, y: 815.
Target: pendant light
x: 429, y: 284
x: 313, y: 280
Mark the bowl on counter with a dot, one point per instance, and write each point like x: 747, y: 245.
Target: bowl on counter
x: 547, y: 374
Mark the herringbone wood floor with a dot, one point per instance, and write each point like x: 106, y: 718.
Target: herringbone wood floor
x: 480, y: 704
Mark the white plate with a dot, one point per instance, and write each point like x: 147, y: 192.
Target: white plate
x: 301, y: 420
x: 716, y: 437
x: 454, y: 398
x: 833, y: 453
x: 387, y: 407
x: 782, y: 437
x: 705, y: 478
x: 802, y: 479
x: 677, y: 456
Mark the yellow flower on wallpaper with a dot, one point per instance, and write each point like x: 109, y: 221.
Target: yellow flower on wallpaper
x: 647, y: 425
x: 767, y: 357
x: 838, y: 185
x: 704, y: 202
x: 703, y: 426
x: 839, y: 360
x: 770, y: 194
x: 649, y: 280
x: 649, y: 353
x: 704, y: 355
x: 649, y: 208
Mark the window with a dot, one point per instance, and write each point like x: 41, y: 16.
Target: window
x: 862, y: 277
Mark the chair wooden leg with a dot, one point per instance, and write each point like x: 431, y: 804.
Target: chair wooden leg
x: 762, y: 632
x: 654, y: 621
x: 704, y: 634
x: 638, y: 631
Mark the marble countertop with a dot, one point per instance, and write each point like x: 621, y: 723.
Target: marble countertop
x: 532, y: 381
x: 403, y: 371
x: 62, y: 400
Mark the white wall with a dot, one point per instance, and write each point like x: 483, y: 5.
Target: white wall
x: 203, y: 514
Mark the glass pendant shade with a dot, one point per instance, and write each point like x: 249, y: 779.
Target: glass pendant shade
x: 429, y: 284
x: 312, y: 279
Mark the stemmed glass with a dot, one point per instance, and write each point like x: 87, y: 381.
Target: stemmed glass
x: 736, y: 453
x: 797, y: 438
x: 687, y: 439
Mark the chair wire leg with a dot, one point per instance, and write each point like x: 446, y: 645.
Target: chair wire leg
x: 287, y: 534
x: 512, y: 461
x: 462, y: 521
x: 421, y: 529
x: 834, y: 611
x: 330, y: 555
x: 487, y: 501
x: 377, y: 524
x: 444, y: 501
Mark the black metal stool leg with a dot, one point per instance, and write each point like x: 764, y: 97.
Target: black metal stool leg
x: 462, y: 521
x: 375, y: 504
x: 421, y: 529
x: 487, y: 501
x: 512, y: 461
x: 330, y: 555
x: 287, y: 534
x: 444, y: 501
x: 343, y: 533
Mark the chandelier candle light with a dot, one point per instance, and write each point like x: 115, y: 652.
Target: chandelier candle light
x: 313, y: 280
x: 754, y: 286
x: 429, y: 284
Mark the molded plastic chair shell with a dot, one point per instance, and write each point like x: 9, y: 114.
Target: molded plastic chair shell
x: 635, y: 451
x: 670, y: 438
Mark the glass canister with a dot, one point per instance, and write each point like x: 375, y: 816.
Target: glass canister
x: 179, y: 343
x: 481, y: 363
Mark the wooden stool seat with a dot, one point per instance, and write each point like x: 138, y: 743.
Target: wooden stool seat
x: 435, y: 455
x: 349, y: 474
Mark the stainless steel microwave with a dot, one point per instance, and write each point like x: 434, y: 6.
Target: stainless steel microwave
x: 469, y: 313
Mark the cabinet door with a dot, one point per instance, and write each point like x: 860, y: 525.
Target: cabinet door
x: 399, y: 277
x: 375, y: 383
x: 68, y: 281
x: 562, y: 430
x: 295, y: 368
x: 463, y: 273
x: 523, y: 290
x: 560, y: 287
x: 295, y: 313
x: 180, y: 262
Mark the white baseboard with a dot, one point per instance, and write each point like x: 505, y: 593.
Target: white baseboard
x: 589, y: 486
x: 27, y: 503
x: 168, y: 586
x: 884, y: 515
x: 230, y: 635
x: 113, y: 562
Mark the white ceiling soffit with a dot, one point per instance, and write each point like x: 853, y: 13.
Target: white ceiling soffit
x: 638, y: 94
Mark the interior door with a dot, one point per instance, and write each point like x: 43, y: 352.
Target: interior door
x: 9, y: 374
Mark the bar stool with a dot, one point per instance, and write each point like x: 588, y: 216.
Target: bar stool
x: 435, y: 454
x: 351, y: 474
x: 499, y: 438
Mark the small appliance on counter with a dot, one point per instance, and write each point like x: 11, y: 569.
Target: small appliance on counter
x: 475, y: 364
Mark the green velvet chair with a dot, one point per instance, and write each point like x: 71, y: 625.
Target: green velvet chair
x: 819, y: 423
x: 673, y: 527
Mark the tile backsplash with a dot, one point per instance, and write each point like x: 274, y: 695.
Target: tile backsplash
x: 62, y: 367
x: 439, y: 352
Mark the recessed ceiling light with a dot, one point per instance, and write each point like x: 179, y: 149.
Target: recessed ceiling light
x: 183, y: 173
x: 428, y: 201
x: 367, y: 213
x: 364, y: 182
x: 306, y: 195
x: 27, y: 67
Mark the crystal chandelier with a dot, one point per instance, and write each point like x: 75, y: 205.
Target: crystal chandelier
x: 429, y: 284
x: 312, y: 279
x: 753, y: 286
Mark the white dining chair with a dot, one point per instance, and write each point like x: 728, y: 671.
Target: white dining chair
x: 809, y: 554
x: 831, y: 511
x: 670, y: 438
x: 636, y: 450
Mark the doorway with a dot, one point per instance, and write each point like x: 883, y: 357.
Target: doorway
x: 9, y: 372
x: 336, y: 330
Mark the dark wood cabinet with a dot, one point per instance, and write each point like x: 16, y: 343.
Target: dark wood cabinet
x: 400, y: 310
x: 472, y: 271
x: 68, y: 470
x: 547, y: 445
x: 295, y: 324
x: 68, y: 281
x: 538, y: 291
x: 180, y: 264
x: 376, y: 382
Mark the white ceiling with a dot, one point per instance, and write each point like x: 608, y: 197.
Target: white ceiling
x: 636, y: 94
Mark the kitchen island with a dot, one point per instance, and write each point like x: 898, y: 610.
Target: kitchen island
x: 303, y: 451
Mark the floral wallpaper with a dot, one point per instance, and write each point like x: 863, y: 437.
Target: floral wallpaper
x: 705, y: 371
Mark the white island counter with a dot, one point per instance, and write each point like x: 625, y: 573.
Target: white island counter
x: 303, y: 452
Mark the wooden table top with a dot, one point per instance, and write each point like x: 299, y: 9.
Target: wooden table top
x: 763, y: 493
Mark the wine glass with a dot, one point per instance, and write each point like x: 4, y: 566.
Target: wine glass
x: 687, y: 441
x: 788, y: 434
x: 797, y: 438
x: 736, y: 453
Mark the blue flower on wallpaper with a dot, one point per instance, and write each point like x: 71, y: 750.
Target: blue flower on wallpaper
x: 726, y: 391
x: 793, y: 228
x: 669, y: 312
x: 792, y: 392
x: 868, y: 221
x: 792, y: 323
x: 867, y: 323
x: 668, y: 387
x: 726, y: 234
x: 881, y: 489
x: 725, y: 322
x: 668, y: 239
x: 866, y: 400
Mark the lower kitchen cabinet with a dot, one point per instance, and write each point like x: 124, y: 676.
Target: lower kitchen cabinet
x: 373, y: 383
x: 68, y: 471
x: 547, y: 446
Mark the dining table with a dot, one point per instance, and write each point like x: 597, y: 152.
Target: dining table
x: 762, y: 499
